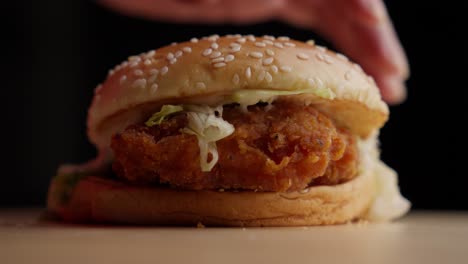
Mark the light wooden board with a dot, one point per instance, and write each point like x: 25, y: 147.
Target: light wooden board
x: 421, y: 237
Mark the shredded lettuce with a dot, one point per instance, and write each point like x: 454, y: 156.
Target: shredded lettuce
x: 204, y: 122
x: 158, y: 117
x: 207, y: 124
x: 251, y: 97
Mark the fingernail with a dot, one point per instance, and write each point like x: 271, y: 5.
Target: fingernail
x: 393, y: 91
x: 375, y: 8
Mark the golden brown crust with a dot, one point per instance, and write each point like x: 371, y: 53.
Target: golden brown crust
x: 103, y: 200
x: 186, y: 72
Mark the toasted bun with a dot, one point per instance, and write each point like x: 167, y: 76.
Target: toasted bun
x: 205, y: 70
x: 102, y: 200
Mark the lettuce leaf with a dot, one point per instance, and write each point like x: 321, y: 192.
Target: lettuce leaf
x: 251, y: 97
x: 158, y: 117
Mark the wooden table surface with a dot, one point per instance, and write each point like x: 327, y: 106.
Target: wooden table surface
x: 420, y: 237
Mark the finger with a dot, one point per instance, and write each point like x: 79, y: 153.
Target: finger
x: 392, y: 88
x: 297, y: 15
x: 199, y: 11
x: 378, y: 46
x: 248, y: 11
x: 367, y: 11
x: 389, y: 81
x: 377, y: 35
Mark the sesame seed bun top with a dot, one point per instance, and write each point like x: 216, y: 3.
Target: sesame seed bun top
x: 206, y: 70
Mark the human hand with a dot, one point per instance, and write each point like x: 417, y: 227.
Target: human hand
x: 359, y: 28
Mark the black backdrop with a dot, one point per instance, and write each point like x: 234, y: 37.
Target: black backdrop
x: 57, y: 51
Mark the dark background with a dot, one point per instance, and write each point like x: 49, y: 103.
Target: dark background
x: 58, y: 51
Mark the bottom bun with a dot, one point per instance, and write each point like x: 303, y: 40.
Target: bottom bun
x: 96, y: 199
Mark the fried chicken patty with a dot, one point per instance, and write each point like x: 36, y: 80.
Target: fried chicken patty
x: 286, y: 147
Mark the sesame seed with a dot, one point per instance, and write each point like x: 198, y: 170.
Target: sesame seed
x: 260, y: 44
x: 233, y: 44
x: 270, y: 52
x: 256, y: 54
x: 236, y: 49
x: 310, y: 42
x: 164, y: 70
x: 237, y: 35
x: 235, y: 79
x: 328, y: 59
x: 150, y: 54
x: 111, y: 72
x: 139, y: 83
x: 134, y: 64
x: 138, y: 72
x: 174, y: 60
x: 124, y: 64
x: 200, y: 85
x: 219, y: 64
x: 173, y: 43
x: 178, y: 53
x: 285, y: 68
x: 170, y: 56
x: 134, y: 58
x: 302, y: 56
x: 289, y: 44
x: 283, y: 38
x: 311, y: 81
x: 187, y: 49
x: 154, y: 87
x: 215, y: 54
x: 278, y: 45
x: 123, y: 79
x: 321, y: 48
x: 152, y: 78
x: 251, y: 38
x: 267, y: 41
x: 347, y: 75
x: 229, y: 58
x: 269, y: 37
x: 194, y: 40
x: 154, y: 72
x: 268, y: 77
x: 214, y: 45
x: 268, y: 61
x: 213, y: 38
x: 319, y: 56
x: 342, y: 57
x: 241, y: 40
x: 274, y: 68
x: 304, y: 191
x: 147, y: 62
x: 248, y: 72
x: 219, y: 59
x: 357, y: 67
x: 207, y: 52
x: 261, y: 76
x: 230, y: 36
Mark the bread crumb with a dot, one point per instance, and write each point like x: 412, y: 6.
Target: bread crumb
x: 200, y: 225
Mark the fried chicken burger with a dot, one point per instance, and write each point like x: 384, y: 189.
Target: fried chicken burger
x: 233, y: 131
